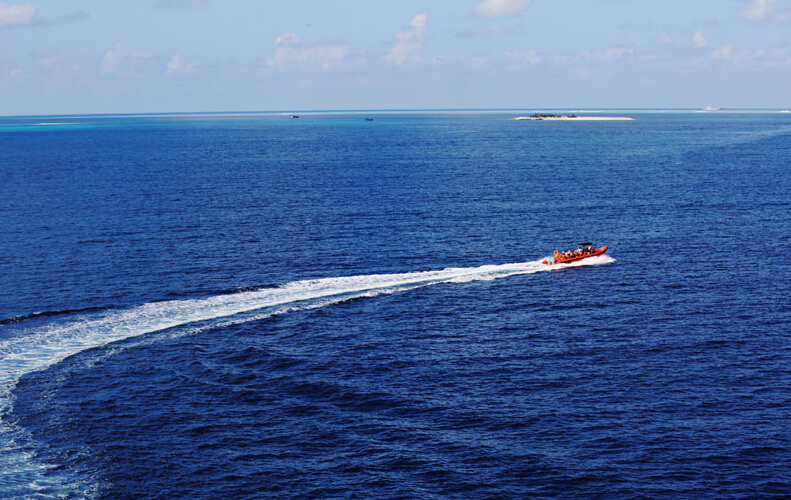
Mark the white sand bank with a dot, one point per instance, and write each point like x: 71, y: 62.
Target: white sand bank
x: 577, y: 118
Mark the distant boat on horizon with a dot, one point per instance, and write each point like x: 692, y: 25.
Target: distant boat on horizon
x: 712, y: 108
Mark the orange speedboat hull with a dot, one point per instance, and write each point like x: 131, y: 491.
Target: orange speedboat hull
x: 560, y: 259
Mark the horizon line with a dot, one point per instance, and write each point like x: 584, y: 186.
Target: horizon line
x: 392, y: 110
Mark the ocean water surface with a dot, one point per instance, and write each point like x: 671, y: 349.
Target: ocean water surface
x: 253, y: 306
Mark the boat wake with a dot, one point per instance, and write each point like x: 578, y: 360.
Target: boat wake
x: 52, y: 340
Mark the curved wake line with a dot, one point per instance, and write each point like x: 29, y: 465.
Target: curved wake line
x: 44, y: 346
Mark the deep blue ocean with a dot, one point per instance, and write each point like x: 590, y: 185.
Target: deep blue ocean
x: 254, y: 306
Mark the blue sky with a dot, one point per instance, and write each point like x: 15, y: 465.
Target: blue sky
x: 96, y: 56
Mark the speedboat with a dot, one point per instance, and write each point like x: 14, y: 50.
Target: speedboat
x: 584, y: 251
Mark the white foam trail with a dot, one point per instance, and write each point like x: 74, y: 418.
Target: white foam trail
x: 588, y: 261
x: 49, y: 344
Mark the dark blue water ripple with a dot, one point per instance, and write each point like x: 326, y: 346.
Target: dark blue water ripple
x: 663, y: 374
x: 429, y: 405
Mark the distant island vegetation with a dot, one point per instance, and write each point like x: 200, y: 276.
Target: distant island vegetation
x: 571, y: 116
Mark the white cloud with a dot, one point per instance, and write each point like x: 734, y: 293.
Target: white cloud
x: 724, y: 52
x: 587, y: 57
x: 49, y: 62
x: 753, y: 58
x: 289, y: 50
x: 665, y: 38
x: 759, y: 10
x: 21, y: 14
x: 175, y: 63
x: 120, y: 62
x: 15, y: 75
x: 419, y: 25
x: 500, y: 8
x: 616, y: 52
x: 562, y: 59
x: 699, y: 39
x: 111, y: 61
x: 531, y: 57
x: 287, y: 39
x: 178, y: 67
x: 409, y: 42
x: 478, y: 62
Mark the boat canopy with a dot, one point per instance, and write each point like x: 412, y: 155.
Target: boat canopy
x: 586, y: 244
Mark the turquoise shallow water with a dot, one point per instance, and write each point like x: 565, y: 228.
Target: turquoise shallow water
x: 252, y: 306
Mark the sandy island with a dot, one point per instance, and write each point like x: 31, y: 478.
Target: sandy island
x: 575, y: 118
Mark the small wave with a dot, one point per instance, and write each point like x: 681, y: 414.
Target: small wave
x: 44, y: 314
